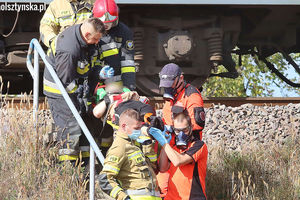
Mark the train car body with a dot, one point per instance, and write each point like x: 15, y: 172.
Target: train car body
x: 199, y: 35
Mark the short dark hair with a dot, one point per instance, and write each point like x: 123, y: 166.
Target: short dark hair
x: 131, y: 113
x: 97, y: 24
x: 181, y: 116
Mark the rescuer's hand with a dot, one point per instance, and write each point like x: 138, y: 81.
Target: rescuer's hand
x: 156, y: 122
x: 168, y: 133
x: 158, y: 135
x: 106, y: 72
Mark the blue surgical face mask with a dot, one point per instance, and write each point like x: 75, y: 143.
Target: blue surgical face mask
x: 182, y: 140
x: 135, y: 134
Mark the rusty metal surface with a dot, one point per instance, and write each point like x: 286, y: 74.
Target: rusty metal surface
x: 26, y: 103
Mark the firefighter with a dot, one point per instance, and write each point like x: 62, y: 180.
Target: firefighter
x: 116, y: 48
x: 61, y: 14
x: 179, y: 96
x: 69, y: 55
x: 184, y: 159
x: 126, y: 172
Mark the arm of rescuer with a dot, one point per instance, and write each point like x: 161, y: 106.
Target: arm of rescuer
x: 168, y: 153
x: 108, y: 176
x: 49, y: 25
x: 127, y: 61
x: 195, y: 109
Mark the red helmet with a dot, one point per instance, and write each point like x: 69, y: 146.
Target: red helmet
x: 106, y: 10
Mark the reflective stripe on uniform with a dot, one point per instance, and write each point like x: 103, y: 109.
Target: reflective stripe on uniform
x: 109, y: 53
x: 106, y: 142
x: 153, y: 158
x: 67, y: 157
x: 84, y: 70
x: 143, y: 192
x: 127, y: 69
x: 115, y: 191
x: 143, y: 197
x: 111, y: 168
x: 48, y: 19
x: 116, y: 127
x: 111, y: 45
x: 85, y: 154
x: 84, y: 148
x: 135, y: 155
x: 128, y: 63
x: 52, y: 87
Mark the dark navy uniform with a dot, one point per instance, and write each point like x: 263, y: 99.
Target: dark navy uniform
x: 71, y: 58
x: 117, y: 50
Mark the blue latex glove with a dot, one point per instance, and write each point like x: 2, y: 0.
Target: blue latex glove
x: 106, y: 72
x: 167, y: 132
x: 158, y: 135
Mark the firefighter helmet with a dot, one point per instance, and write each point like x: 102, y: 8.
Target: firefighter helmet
x: 107, y: 11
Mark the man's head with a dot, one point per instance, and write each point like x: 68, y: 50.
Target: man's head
x: 92, y: 30
x: 107, y: 11
x: 182, y: 127
x: 130, y: 122
x: 171, y: 80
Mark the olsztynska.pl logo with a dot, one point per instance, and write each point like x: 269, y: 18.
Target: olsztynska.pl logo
x: 6, y: 6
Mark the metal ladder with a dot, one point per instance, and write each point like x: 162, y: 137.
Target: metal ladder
x: 36, y: 49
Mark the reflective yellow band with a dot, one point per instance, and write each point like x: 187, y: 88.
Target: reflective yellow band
x: 115, y: 191
x: 85, y: 154
x: 116, y: 127
x: 152, y: 158
x: 67, y: 157
x: 144, y: 197
x: 111, y: 168
x: 109, y: 53
x: 127, y: 69
x: 84, y: 70
x: 105, y: 144
x: 56, y: 91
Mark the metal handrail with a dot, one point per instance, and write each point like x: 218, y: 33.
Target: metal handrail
x: 34, y: 71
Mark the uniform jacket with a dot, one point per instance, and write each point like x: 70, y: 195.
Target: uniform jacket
x: 61, y: 14
x: 116, y: 49
x: 71, y: 59
x: 126, y: 167
x: 191, y: 176
x: 189, y: 98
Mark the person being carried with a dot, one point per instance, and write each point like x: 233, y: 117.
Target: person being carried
x: 185, y: 159
x: 127, y: 172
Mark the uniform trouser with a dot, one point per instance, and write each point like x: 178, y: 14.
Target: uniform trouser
x: 69, y: 132
x: 69, y: 135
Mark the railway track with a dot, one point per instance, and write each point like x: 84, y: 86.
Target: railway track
x: 26, y: 102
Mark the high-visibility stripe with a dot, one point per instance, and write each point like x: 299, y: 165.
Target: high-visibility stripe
x: 84, y: 70
x: 144, y: 197
x: 127, y: 63
x: 52, y: 87
x: 152, y: 158
x: 116, y: 127
x: 111, y: 168
x: 105, y: 144
x: 67, y: 157
x: 134, y: 155
x: 115, y: 191
x: 85, y: 154
x: 111, y: 45
x: 109, y: 53
x: 127, y: 69
x: 48, y: 19
x: 84, y: 148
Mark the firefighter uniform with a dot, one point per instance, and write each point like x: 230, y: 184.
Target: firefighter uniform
x: 190, y: 99
x: 71, y: 58
x: 127, y: 170
x: 116, y: 49
x: 61, y: 14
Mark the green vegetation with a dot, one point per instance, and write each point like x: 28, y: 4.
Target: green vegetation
x: 255, y: 79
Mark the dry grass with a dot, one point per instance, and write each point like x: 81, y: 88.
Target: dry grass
x: 258, y: 172
x: 29, y: 170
